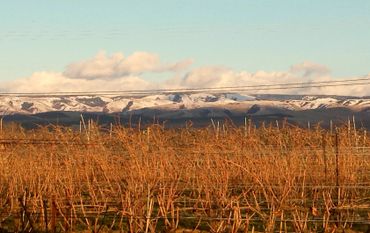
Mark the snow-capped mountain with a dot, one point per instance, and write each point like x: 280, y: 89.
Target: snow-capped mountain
x: 111, y: 104
x: 177, y: 109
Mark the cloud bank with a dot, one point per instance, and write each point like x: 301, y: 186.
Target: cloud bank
x: 116, y: 72
x: 309, y: 69
x: 117, y: 65
x: 57, y: 82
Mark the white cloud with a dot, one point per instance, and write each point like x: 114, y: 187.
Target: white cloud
x: 309, y: 69
x: 57, y: 82
x: 222, y: 77
x: 103, y: 66
x: 116, y: 72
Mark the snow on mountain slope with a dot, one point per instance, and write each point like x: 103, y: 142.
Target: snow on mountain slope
x: 36, y: 104
x: 306, y: 103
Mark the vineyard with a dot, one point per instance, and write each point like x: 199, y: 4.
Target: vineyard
x: 223, y: 178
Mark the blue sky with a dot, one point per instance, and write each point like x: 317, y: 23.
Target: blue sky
x: 44, y: 35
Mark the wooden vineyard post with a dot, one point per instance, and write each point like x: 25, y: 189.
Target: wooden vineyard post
x: 325, y: 158
x: 53, y: 215
x: 245, y: 127
x: 45, y: 203
x: 337, y: 174
x: 337, y: 183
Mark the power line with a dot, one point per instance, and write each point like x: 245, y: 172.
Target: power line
x: 259, y: 87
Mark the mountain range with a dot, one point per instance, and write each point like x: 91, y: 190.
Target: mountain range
x: 177, y: 108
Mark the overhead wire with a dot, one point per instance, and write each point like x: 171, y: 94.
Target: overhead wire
x: 222, y: 89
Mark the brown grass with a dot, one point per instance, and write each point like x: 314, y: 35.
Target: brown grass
x: 219, y: 179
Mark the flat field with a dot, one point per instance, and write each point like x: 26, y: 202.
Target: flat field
x: 216, y: 179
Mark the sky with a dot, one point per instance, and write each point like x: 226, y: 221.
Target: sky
x: 164, y: 42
